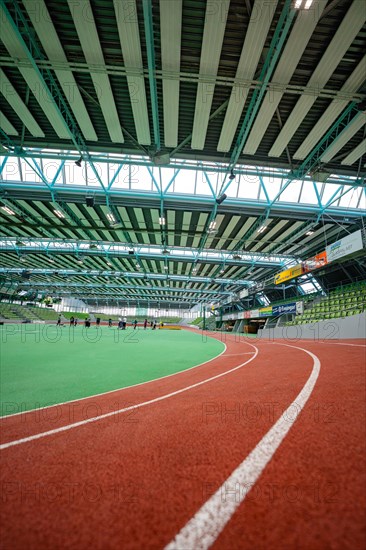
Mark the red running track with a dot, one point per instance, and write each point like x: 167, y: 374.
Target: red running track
x: 133, y: 480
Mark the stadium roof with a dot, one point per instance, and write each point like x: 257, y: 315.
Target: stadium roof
x: 174, y: 152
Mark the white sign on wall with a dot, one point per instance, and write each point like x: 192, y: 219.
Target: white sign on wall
x: 344, y: 247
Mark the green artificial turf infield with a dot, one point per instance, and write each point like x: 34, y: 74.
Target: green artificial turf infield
x: 43, y: 365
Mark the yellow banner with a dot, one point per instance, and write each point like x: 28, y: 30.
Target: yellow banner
x: 288, y: 274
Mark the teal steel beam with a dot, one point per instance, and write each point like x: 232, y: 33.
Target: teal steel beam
x: 171, y: 181
x: 206, y: 230
x: 69, y: 285
x: 156, y: 185
x: 222, y: 258
x: 3, y: 164
x: 126, y: 275
x: 37, y: 170
x: 263, y: 186
x: 110, y: 185
x: 314, y: 157
x: 337, y: 198
x: 92, y: 165
x: 58, y: 171
x: 209, y: 167
x: 210, y: 185
x: 331, y: 200
x: 318, y: 197
x: 70, y: 191
x: 150, y: 48
x: 282, y: 29
x: 225, y: 187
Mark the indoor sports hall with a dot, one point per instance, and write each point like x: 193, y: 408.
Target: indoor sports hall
x: 182, y: 274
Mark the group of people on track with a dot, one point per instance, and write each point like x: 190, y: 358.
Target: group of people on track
x: 122, y: 323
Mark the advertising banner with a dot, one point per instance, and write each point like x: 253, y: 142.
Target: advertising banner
x: 348, y: 245
x: 284, y: 308
x: 265, y: 311
x: 299, y: 308
x: 315, y: 262
x: 288, y: 274
x: 247, y: 314
x: 254, y: 313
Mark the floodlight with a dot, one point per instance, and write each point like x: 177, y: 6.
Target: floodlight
x: 222, y: 197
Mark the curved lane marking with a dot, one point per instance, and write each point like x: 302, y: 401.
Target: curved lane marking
x: 119, y: 411
x: 206, y: 525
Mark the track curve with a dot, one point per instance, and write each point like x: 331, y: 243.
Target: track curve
x: 133, y: 480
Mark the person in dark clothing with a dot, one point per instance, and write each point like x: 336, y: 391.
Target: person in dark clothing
x: 75, y: 321
x: 59, y: 320
x: 98, y: 321
x: 135, y: 324
x: 72, y: 319
x: 110, y: 323
x: 145, y: 324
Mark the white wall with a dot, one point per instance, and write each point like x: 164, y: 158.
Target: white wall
x: 332, y: 329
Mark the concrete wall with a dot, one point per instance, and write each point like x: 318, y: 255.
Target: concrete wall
x: 331, y: 329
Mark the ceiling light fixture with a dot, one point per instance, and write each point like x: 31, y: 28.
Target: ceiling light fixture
x: 78, y: 162
x: 110, y: 217
x: 212, y: 225
x: 309, y: 232
x: 59, y: 214
x: 8, y: 210
x: 299, y: 3
x: 161, y: 220
x: 232, y: 175
x: 261, y: 229
x: 222, y: 197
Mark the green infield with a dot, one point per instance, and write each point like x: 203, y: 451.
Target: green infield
x: 43, y: 365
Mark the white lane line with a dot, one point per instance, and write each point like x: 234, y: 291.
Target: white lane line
x: 119, y: 411
x: 113, y: 391
x: 206, y: 525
